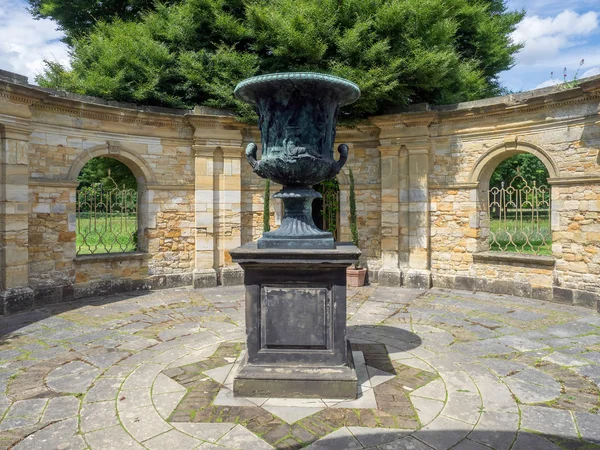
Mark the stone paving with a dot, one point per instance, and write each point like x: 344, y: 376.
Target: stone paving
x: 438, y: 369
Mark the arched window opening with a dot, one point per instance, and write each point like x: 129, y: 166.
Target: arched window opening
x: 519, y: 206
x: 325, y: 210
x: 107, y: 208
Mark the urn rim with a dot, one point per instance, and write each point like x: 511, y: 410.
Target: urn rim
x: 246, y: 89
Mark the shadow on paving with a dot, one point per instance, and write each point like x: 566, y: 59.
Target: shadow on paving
x: 12, y: 323
x: 399, y: 338
x: 460, y: 438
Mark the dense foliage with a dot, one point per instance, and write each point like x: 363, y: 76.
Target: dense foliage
x: 195, y: 51
x: 527, y: 165
x: 77, y: 17
x: 96, y: 171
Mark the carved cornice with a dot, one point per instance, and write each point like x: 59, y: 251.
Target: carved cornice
x: 19, y: 130
x: 20, y: 94
x: 507, y: 110
x: 18, y: 98
x: 414, y: 119
x: 226, y: 122
x: 111, y: 114
x: 518, y: 104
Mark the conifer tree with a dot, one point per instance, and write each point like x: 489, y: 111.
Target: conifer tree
x: 194, y: 52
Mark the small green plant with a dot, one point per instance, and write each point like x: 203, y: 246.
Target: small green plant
x: 569, y: 84
x: 267, y: 207
x: 353, y: 225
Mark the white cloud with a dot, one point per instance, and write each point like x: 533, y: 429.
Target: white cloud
x: 554, y: 81
x: 546, y: 37
x: 591, y: 72
x: 547, y: 83
x: 26, y: 42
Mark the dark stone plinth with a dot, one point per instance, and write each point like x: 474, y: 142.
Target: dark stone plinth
x: 281, y: 381
x: 296, y: 323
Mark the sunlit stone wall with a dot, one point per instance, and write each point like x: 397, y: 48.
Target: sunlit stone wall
x: 421, y: 175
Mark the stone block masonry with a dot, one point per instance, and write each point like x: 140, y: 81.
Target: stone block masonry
x: 421, y: 179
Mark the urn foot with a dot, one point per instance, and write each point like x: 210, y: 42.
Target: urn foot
x: 297, y: 230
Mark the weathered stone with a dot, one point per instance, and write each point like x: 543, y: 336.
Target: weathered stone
x: 417, y: 208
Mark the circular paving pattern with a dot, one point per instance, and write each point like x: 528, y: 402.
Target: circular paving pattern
x: 437, y: 369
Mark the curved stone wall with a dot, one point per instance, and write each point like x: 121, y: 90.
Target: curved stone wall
x: 420, y: 178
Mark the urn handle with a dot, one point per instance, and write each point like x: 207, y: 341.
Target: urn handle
x: 251, y: 150
x: 343, y: 151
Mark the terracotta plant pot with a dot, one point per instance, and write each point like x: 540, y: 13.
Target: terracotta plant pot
x: 355, y: 277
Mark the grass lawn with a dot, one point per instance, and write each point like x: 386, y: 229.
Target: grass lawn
x: 119, y: 234
x: 526, y: 236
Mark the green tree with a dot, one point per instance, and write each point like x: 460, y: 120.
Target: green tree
x: 77, y: 17
x: 96, y: 171
x: 194, y: 52
x: 527, y: 165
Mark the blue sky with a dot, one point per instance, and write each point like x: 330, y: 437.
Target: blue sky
x: 556, y: 33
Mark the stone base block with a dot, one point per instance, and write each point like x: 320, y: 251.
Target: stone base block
x: 390, y: 277
x: 419, y: 279
x: 520, y: 289
x: 586, y: 299
x: 561, y: 295
x: 16, y: 300
x: 205, y: 278
x: 296, y: 381
x: 231, y: 276
x: 541, y: 293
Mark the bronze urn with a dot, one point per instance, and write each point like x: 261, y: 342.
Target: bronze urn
x: 297, y: 119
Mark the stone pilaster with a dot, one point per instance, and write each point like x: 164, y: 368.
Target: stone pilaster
x: 218, y: 152
x: 229, y: 221
x: 205, y: 274
x: 418, y: 273
x: 15, y: 295
x: 390, y: 273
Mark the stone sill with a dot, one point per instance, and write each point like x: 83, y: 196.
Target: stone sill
x: 109, y: 257
x: 520, y: 259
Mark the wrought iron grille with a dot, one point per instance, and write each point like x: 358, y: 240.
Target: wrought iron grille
x: 520, y: 217
x: 106, y: 218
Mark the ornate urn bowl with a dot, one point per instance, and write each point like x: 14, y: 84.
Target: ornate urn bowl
x: 297, y: 119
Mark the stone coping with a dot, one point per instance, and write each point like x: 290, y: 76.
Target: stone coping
x: 514, y: 258
x: 109, y: 257
x: 586, y: 87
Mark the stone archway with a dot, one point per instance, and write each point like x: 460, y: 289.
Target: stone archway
x: 486, y: 164
x: 137, y: 165
x: 482, y: 172
x: 140, y: 169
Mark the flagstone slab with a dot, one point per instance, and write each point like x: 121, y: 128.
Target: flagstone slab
x: 548, y: 421
x: 211, y: 432
x: 460, y: 362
